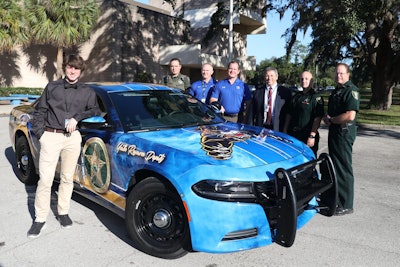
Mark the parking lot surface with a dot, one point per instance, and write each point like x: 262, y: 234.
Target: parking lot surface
x: 368, y: 237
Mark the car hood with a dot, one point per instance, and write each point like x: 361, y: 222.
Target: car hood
x: 228, y: 144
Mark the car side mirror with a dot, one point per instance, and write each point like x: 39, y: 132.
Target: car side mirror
x: 95, y: 122
x: 94, y: 119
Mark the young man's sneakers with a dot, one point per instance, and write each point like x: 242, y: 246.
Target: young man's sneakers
x: 65, y: 221
x: 35, y: 229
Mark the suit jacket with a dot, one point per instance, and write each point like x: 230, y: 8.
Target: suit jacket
x: 281, y: 107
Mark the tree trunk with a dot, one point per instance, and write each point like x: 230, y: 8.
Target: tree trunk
x: 383, y: 80
x: 382, y: 89
x: 60, y: 57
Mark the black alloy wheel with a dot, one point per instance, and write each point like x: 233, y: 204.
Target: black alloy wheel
x: 25, y: 166
x: 156, y: 220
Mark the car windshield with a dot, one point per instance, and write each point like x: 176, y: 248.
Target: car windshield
x: 160, y: 109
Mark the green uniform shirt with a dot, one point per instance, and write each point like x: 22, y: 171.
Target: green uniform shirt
x: 342, y: 99
x: 181, y: 81
x: 304, y: 109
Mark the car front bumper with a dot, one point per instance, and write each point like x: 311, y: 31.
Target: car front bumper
x: 296, y: 196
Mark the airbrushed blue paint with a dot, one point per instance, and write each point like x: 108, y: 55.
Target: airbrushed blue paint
x: 180, y: 144
x: 186, y: 163
x: 132, y: 86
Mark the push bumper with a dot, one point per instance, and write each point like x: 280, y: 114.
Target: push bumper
x: 294, y: 189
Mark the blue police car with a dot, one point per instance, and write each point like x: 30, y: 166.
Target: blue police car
x: 182, y: 177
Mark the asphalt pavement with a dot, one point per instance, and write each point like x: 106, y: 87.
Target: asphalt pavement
x: 368, y: 237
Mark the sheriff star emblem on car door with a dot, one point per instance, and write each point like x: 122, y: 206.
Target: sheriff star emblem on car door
x: 97, y: 164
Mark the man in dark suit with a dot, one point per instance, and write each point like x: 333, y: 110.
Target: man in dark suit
x: 271, y: 103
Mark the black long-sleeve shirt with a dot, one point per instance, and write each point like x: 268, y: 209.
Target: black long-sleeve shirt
x: 61, y: 101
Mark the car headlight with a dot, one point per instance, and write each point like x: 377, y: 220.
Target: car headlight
x: 232, y: 191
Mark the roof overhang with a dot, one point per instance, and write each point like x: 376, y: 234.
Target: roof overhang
x: 191, y: 56
x: 247, y: 22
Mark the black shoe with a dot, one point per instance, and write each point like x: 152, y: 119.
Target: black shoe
x: 343, y: 211
x: 65, y: 221
x: 35, y: 229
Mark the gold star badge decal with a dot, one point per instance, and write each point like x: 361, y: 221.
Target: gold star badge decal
x: 97, y: 164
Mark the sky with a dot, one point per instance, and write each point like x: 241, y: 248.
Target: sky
x: 271, y: 44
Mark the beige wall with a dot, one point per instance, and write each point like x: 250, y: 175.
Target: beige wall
x: 124, y: 46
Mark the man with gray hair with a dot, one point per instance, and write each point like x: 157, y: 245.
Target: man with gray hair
x: 271, y: 103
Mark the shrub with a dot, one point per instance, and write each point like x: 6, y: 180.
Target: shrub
x: 6, y: 91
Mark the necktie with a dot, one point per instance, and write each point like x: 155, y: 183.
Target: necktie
x: 269, y: 113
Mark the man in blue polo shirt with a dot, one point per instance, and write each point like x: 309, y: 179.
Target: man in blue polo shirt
x: 233, y: 94
x: 202, y: 89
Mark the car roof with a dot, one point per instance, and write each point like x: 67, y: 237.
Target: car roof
x: 123, y: 87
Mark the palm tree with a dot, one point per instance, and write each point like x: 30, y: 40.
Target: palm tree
x: 62, y: 23
x: 12, y: 27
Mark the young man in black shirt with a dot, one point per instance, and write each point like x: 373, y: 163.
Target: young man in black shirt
x: 61, y: 106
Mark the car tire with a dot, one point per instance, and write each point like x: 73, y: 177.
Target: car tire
x: 26, y: 170
x: 156, y: 220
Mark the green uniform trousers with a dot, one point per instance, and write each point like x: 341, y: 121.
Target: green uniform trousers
x: 340, y: 146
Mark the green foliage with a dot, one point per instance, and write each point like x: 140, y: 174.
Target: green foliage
x: 289, y: 71
x: 326, y: 81
x: 362, y: 32
x: 6, y: 91
x: 145, y: 77
x: 12, y: 26
x: 216, y: 19
x: 62, y: 23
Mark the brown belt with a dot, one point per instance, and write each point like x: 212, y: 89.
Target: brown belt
x: 52, y: 130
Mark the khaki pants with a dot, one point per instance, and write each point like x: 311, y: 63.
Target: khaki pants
x: 231, y: 119
x: 53, y: 146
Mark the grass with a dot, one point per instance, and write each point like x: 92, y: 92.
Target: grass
x: 373, y: 116
x: 367, y: 115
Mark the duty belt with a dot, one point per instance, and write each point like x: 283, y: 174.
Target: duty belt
x: 232, y: 115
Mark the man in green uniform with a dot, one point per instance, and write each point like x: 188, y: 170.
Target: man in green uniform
x: 305, y: 114
x: 341, y: 118
x: 175, y: 78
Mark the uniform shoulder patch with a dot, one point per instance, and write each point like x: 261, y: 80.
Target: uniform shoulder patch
x: 355, y: 94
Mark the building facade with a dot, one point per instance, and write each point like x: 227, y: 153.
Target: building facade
x: 134, y: 42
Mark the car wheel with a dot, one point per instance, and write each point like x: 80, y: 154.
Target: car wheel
x: 25, y: 166
x: 156, y: 220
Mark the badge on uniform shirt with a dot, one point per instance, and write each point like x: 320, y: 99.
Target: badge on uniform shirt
x: 355, y: 94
